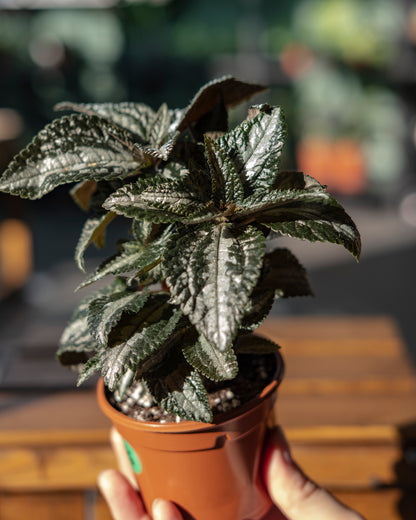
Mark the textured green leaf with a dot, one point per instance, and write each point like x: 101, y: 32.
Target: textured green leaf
x: 275, y: 202
x: 124, y: 384
x: 290, y: 181
x: 255, y: 147
x: 231, y: 90
x: 174, y: 171
x: 297, y: 181
x: 92, y: 366
x: 211, y: 273
x: 142, y: 230
x: 254, y: 344
x: 103, y: 191
x: 136, y: 117
x: 309, y: 214
x: 177, y: 339
x: 331, y: 227
x: 215, y: 364
x: 70, y: 149
x: 190, y: 153
x: 106, y: 311
x: 258, y: 308
x: 160, y: 201
x: 176, y: 116
x: 93, y: 231
x: 226, y: 183
x: 137, y: 337
x: 161, y: 136
x: 178, y: 389
x: 155, y: 130
x: 156, y: 152
x: 133, y: 258
x: 159, y: 128
x: 282, y: 276
x: 76, y: 342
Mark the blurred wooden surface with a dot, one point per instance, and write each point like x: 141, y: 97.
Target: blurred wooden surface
x: 347, y: 404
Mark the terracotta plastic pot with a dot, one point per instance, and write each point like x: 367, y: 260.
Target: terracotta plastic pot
x: 209, y: 470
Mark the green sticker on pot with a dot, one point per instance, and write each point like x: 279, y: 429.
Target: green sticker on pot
x: 134, y: 459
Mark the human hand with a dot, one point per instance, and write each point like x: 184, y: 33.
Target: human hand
x: 121, y: 492
x: 294, y: 495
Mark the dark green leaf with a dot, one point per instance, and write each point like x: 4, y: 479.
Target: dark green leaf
x: 309, y: 214
x: 137, y: 337
x: 142, y: 230
x: 124, y: 384
x: 160, y: 126
x: 330, y: 228
x: 174, y: 171
x: 106, y: 311
x: 211, y: 273
x: 290, y: 181
x: 177, y: 339
x: 213, y: 124
x: 92, y: 366
x: 176, y: 116
x: 161, y: 201
x: 215, y: 364
x: 230, y: 90
x: 133, y: 258
x: 135, y: 117
x: 156, y: 152
x: 76, y: 340
x: 103, y: 191
x: 189, y: 152
x: 226, y: 183
x: 253, y: 344
x: 283, y: 274
x: 297, y: 181
x: 178, y: 388
x: 282, y: 277
x: 93, y: 231
x: 258, y: 308
x: 255, y: 147
x: 71, y: 149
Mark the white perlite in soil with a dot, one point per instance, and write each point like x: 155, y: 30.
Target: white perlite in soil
x: 254, y: 374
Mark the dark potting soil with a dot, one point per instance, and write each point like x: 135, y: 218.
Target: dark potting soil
x: 255, y: 373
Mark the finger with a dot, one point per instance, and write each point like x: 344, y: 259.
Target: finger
x: 123, y: 500
x: 292, y: 491
x: 164, y: 510
x: 123, y: 461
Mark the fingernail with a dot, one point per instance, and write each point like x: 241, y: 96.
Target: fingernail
x: 165, y: 510
x: 157, y: 509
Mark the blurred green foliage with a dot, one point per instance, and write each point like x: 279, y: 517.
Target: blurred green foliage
x: 328, y: 63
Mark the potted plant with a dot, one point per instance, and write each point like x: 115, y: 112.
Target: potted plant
x: 172, y: 333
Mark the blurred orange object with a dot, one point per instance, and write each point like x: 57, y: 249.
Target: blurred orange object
x: 296, y: 59
x: 16, y: 255
x: 339, y: 164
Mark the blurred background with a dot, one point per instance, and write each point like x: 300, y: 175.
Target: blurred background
x: 344, y: 72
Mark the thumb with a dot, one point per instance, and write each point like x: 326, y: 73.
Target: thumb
x: 296, y: 496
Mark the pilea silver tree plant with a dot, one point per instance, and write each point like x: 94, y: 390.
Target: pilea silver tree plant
x: 194, y: 279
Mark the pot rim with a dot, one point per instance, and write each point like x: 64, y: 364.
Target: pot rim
x: 189, y: 426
